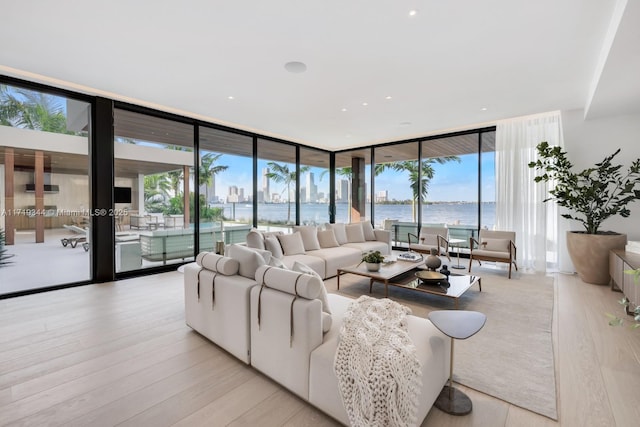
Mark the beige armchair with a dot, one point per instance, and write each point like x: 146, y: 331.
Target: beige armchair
x: 431, y: 238
x: 497, y: 246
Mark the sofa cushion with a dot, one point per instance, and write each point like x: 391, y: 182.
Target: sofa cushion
x: 272, y: 244
x: 367, y: 228
x: 327, y: 239
x: 501, y: 245
x: 335, y: 258
x: 340, y: 232
x: 255, y: 239
x: 309, y: 235
x: 301, y: 268
x: 354, y: 233
x: 218, y: 263
x: 249, y: 260
x: 292, y: 282
x: 315, y: 262
x: 292, y: 244
x: 369, y: 246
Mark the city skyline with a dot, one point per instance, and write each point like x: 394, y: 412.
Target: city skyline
x: 452, y: 182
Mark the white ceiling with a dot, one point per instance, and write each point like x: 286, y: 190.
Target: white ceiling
x: 441, y: 67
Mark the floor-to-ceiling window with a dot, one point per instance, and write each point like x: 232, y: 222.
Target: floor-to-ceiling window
x: 44, y: 189
x: 314, y: 187
x: 154, y: 202
x: 450, y: 166
x: 226, y: 187
x: 398, y: 190
x: 276, y: 185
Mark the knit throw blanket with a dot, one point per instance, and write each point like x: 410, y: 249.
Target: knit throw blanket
x: 379, y: 374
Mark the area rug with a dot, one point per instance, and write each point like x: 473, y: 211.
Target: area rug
x: 511, y: 358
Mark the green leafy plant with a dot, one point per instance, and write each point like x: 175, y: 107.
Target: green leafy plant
x: 374, y: 257
x: 624, y: 302
x: 595, y: 193
x: 4, y: 255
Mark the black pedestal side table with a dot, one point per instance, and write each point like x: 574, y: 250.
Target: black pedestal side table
x: 458, y: 325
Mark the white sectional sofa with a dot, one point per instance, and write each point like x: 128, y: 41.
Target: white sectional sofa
x: 324, y: 251
x: 277, y: 321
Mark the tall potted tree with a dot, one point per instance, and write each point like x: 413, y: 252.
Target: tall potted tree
x: 593, y: 195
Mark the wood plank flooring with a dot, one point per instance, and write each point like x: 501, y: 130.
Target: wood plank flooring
x: 120, y: 354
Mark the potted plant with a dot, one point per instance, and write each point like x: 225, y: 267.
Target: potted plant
x: 372, y: 260
x: 593, y: 195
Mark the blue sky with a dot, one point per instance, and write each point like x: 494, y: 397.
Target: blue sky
x: 452, y: 181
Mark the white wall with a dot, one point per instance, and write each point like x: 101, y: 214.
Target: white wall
x: 588, y: 142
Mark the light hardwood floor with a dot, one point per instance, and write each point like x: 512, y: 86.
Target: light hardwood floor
x: 120, y: 354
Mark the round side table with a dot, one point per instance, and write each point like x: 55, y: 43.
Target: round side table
x: 458, y: 325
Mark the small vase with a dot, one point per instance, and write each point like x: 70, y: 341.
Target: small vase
x: 373, y: 266
x: 433, y: 262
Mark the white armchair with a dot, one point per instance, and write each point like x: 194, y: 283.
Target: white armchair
x: 430, y: 238
x: 497, y: 246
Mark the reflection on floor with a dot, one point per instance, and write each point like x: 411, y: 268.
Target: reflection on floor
x: 38, y: 265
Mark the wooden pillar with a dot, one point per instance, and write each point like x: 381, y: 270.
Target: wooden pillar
x: 187, y: 213
x: 9, y: 219
x: 39, y: 183
x: 358, y: 189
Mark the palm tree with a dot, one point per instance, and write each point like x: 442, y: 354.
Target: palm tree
x: 156, y: 192
x: 208, y: 170
x: 30, y: 109
x: 419, y: 187
x: 175, y: 178
x: 282, y: 174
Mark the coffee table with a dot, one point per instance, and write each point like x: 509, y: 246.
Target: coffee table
x: 401, y: 274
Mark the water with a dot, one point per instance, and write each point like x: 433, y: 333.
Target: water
x: 438, y: 213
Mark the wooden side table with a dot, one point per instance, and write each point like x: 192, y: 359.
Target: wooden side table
x: 458, y: 325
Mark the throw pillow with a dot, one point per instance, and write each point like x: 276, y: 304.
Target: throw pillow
x: 367, y: 228
x: 248, y: 259
x: 272, y: 244
x: 354, y: 233
x: 255, y: 239
x: 303, y: 268
x: 339, y: 230
x: 309, y: 235
x: 292, y: 243
x: 276, y: 262
x: 327, y: 239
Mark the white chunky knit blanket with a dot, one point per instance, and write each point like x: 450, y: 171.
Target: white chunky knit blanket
x: 379, y: 374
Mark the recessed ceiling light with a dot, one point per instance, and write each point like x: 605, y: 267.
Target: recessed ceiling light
x: 405, y: 124
x: 413, y: 12
x: 364, y: 104
x: 387, y: 97
x: 344, y: 109
x: 295, y: 67
x: 483, y: 109
x: 230, y: 97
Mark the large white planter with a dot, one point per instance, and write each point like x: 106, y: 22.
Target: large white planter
x: 590, y: 254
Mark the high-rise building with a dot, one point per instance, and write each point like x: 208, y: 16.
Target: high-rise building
x: 311, y: 189
x: 233, y: 196
x: 382, y: 196
x: 265, y: 185
x: 342, y: 191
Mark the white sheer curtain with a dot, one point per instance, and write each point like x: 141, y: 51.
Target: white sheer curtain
x: 519, y: 205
